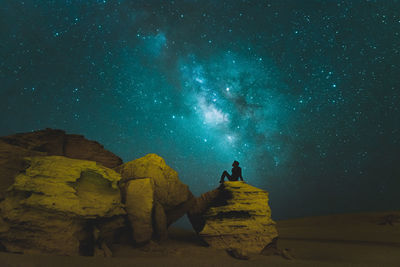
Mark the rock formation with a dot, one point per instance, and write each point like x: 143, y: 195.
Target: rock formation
x: 235, y: 217
x: 58, y: 143
x: 58, y: 196
x: 57, y: 205
x: 14, y: 148
x: 139, y: 206
x: 11, y: 163
x: 152, y: 191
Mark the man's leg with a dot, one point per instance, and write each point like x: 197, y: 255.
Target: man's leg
x: 225, y: 174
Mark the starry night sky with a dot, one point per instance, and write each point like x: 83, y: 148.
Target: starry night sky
x: 304, y: 94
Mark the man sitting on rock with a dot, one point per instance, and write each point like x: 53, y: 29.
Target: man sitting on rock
x: 236, y: 173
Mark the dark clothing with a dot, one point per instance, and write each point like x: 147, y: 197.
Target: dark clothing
x: 236, y: 174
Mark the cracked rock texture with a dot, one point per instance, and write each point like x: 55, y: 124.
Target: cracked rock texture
x: 234, y: 216
x: 170, y: 198
x: 56, y: 204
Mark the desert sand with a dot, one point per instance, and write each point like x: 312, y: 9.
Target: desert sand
x: 363, y: 239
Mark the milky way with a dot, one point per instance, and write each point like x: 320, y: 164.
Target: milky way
x: 304, y: 94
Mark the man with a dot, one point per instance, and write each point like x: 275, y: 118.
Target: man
x: 236, y: 173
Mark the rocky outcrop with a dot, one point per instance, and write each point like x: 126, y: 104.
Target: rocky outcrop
x: 11, y: 163
x: 14, y: 148
x: 163, y: 192
x: 139, y: 206
x: 235, y: 217
x: 78, y: 147
x: 57, y: 205
x: 58, y: 143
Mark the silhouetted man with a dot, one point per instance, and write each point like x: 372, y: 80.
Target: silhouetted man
x: 236, y: 173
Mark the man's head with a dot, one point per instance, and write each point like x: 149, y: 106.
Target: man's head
x: 235, y: 163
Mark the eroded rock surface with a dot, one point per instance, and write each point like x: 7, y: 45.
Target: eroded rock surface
x: 236, y: 216
x: 14, y: 148
x: 171, y: 198
x: 55, y: 204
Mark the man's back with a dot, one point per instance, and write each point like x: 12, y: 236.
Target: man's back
x: 236, y: 173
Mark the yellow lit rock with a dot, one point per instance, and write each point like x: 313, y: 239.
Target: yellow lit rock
x: 139, y: 206
x: 50, y: 204
x: 48, y: 142
x: 78, y: 187
x: 169, y: 191
x: 234, y: 216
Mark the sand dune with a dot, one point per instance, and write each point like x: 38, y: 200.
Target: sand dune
x: 365, y: 239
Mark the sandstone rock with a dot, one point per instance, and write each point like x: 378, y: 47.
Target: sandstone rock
x: 173, y: 196
x: 169, y: 190
x: 271, y: 248
x: 78, y: 147
x: 114, y: 230
x: 159, y: 222
x: 197, y: 210
x: 11, y: 163
x: 139, y: 206
x: 14, y: 148
x: 236, y: 216
x: 49, y: 141
x: 54, y: 204
x: 100, y: 248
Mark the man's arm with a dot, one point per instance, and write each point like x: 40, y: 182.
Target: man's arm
x: 240, y: 174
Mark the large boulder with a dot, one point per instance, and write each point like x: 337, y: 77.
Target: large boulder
x: 235, y: 217
x: 56, y: 206
x: 14, y: 148
x: 170, y: 197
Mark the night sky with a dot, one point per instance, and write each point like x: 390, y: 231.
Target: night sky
x: 304, y: 94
